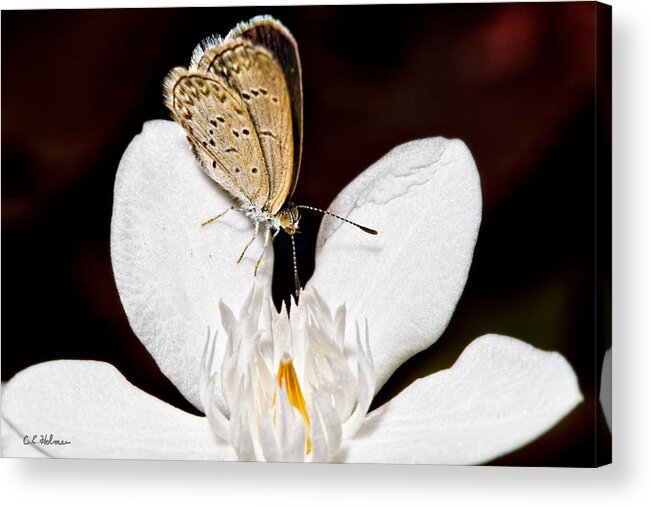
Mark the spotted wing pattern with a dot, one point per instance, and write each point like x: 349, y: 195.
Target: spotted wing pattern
x: 255, y: 76
x: 221, y: 132
x: 271, y: 34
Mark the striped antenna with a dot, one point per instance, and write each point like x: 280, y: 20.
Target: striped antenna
x: 297, y: 283
x: 325, y: 212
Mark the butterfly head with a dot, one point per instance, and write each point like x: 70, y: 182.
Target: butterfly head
x: 289, y: 218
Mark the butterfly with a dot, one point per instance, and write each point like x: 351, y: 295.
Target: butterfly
x: 241, y: 105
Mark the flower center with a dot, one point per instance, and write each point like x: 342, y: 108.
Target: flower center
x: 288, y: 381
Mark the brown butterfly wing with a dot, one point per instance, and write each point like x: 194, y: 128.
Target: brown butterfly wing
x: 221, y: 132
x: 277, y: 39
x: 254, y: 74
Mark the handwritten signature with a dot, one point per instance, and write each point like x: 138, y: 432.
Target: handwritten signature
x: 43, y: 440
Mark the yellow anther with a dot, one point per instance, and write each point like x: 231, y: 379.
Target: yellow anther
x: 287, y: 380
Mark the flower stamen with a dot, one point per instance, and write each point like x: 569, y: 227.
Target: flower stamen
x: 288, y: 380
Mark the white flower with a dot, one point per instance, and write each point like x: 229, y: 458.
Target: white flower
x: 606, y: 388
x: 313, y: 402
x: 425, y: 199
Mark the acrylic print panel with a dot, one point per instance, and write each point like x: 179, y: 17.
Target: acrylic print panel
x: 472, y: 329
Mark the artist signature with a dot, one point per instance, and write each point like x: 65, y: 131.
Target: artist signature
x: 43, y: 440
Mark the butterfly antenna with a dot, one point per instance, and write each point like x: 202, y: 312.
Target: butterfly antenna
x: 297, y: 282
x: 325, y: 212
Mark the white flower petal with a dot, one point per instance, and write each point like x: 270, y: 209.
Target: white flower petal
x: 606, y: 388
x: 424, y: 198
x: 320, y: 448
x: 170, y: 272
x: 282, y: 338
x: 499, y: 395
x: 268, y: 443
x: 327, y: 430
x: 216, y: 419
x: 90, y: 404
x: 365, y: 386
x: 292, y: 432
x: 242, y: 438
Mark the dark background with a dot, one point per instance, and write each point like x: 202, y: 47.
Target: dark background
x: 517, y: 82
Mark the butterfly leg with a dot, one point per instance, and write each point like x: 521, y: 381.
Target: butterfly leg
x: 255, y: 235
x: 267, y: 234
x: 208, y: 222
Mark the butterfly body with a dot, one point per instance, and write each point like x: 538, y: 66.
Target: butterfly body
x: 240, y: 103
x: 285, y: 220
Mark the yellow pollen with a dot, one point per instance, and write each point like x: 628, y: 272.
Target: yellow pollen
x: 287, y: 380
